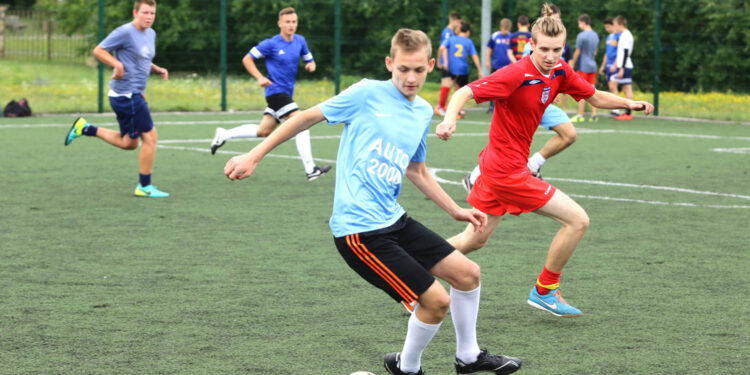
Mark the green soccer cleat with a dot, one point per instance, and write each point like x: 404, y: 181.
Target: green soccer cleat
x: 577, y: 118
x: 76, y: 130
x: 149, y: 191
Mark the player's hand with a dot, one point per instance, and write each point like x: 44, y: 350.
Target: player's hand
x: 646, y: 107
x: 621, y: 73
x: 310, y: 67
x: 264, y: 82
x: 612, y: 68
x: 164, y: 73
x: 119, y: 72
x: 445, y: 129
x: 241, y: 166
x: 601, y: 71
x: 439, y: 64
x: 557, y: 99
x: 477, y: 218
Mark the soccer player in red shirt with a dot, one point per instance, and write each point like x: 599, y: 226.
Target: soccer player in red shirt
x: 522, y: 92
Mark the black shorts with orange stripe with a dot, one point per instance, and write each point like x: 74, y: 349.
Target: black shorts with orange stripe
x: 396, y: 259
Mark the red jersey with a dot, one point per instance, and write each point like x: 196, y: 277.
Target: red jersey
x: 521, y: 95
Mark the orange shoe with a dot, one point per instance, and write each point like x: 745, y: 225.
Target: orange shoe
x: 461, y: 114
x: 440, y: 111
x: 624, y: 117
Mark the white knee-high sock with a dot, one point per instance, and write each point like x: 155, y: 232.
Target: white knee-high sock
x: 305, y: 150
x: 535, y: 162
x: 464, y: 312
x: 418, y: 335
x: 474, y: 174
x: 242, y: 131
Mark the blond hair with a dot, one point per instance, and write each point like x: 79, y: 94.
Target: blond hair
x: 506, y: 24
x: 409, y: 40
x: 547, y: 24
x: 138, y: 3
x: 286, y: 11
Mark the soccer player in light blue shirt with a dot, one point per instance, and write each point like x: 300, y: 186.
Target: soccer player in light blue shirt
x: 282, y: 53
x: 384, y: 139
x: 134, y: 47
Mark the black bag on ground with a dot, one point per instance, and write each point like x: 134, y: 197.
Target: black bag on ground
x: 17, y: 108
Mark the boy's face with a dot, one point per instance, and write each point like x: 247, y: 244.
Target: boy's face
x: 547, y: 51
x: 609, y: 28
x: 409, y: 70
x: 144, y: 16
x: 288, y: 24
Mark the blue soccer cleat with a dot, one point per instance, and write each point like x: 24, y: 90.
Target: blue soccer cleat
x: 76, y: 130
x: 149, y: 191
x: 553, y: 303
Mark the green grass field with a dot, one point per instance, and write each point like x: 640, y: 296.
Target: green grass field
x: 243, y: 277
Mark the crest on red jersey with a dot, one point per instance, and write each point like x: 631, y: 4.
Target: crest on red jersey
x: 545, y: 94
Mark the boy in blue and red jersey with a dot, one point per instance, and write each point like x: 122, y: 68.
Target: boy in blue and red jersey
x: 520, y: 38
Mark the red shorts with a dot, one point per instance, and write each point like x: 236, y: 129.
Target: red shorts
x: 514, y: 194
x: 588, y: 77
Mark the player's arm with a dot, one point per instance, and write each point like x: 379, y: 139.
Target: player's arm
x: 604, y: 99
x: 163, y: 72
x: 442, y: 52
x: 242, y: 166
x: 511, y: 56
x: 446, y: 128
x: 576, y: 55
x: 475, y: 57
x: 603, y: 65
x: 419, y: 175
x: 488, y: 59
x: 104, y: 56
x: 249, y: 64
x: 310, y: 66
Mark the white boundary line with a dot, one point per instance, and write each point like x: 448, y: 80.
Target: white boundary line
x: 435, y: 171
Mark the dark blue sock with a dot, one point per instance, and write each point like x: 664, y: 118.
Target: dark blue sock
x: 90, y: 130
x: 144, y: 179
x: 627, y: 111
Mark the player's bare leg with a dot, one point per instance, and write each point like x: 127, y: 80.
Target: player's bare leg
x: 545, y: 295
x: 147, y: 154
x: 114, y: 138
x: 470, y: 240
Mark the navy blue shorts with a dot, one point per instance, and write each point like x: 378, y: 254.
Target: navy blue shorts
x: 396, y: 259
x: 133, y: 115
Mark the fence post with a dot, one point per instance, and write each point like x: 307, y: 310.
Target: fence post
x: 2, y: 30
x: 48, y: 23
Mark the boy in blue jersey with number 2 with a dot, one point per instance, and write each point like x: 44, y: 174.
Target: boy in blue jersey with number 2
x: 384, y: 139
x: 133, y: 44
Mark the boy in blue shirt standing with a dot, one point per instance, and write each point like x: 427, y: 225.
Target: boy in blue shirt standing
x: 455, y: 51
x: 385, y: 138
x: 134, y: 46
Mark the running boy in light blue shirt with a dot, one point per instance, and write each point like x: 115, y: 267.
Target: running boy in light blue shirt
x: 134, y: 47
x: 384, y: 139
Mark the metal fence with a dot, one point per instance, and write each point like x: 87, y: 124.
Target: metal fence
x: 31, y: 36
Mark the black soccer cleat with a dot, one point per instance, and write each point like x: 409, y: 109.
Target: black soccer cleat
x: 391, y: 365
x: 488, y: 362
x: 537, y: 174
x: 466, y: 182
x: 317, y: 172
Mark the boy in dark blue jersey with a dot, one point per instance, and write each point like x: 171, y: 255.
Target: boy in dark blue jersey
x: 499, y: 53
x: 282, y: 53
x: 610, y: 55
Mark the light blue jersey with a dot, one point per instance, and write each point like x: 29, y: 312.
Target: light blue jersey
x: 383, y: 133
x: 135, y: 49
